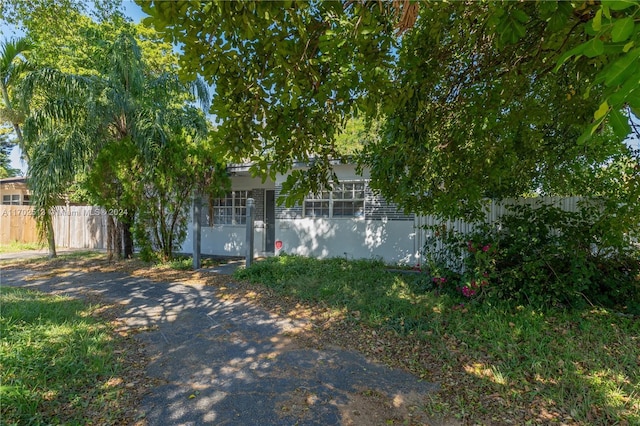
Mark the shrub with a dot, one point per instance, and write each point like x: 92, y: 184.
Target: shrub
x: 542, y: 255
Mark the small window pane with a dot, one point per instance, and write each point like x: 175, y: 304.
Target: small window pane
x: 6, y: 199
x: 316, y: 208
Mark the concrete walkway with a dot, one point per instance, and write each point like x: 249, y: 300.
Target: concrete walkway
x: 232, y: 363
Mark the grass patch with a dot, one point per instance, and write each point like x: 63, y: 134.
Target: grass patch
x: 61, y: 260
x: 185, y: 263
x: 494, y: 362
x: 58, y: 361
x: 15, y: 246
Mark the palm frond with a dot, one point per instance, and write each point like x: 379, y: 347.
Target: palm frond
x: 12, y: 60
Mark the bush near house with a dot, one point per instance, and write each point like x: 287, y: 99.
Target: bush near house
x: 542, y: 256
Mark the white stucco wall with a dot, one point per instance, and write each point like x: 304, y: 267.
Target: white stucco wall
x: 225, y: 240
x: 393, y: 241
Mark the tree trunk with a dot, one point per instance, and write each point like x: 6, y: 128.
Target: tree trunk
x: 51, y: 238
x: 110, y: 228
x: 127, y: 236
x: 117, y: 239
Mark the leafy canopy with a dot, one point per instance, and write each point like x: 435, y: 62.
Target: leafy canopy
x: 478, y: 98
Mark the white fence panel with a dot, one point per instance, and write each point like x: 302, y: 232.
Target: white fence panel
x: 493, y: 212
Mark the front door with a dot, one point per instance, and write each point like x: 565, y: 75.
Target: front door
x: 270, y: 220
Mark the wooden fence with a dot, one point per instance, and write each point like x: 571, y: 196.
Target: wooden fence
x: 73, y: 226
x: 17, y: 224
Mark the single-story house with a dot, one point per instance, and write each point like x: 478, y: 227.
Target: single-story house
x: 347, y: 220
x: 14, y: 191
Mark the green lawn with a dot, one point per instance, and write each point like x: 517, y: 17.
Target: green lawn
x: 16, y: 246
x: 58, y: 360
x: 494, y: 362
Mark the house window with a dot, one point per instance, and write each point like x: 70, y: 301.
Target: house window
x: 317, y: 205
x: 230, y: 209
x: 11, y: 199
x: 345, y: 199
x: 26, y: 200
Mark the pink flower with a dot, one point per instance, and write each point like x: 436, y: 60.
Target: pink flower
x: 486, y: 248
x: 468, y: 292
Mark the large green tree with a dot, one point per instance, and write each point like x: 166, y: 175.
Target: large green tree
x: 103, y: 118
x: 482, y: 112
x: 184, y: 165
x: 479, y: 99
x: 286, y: 77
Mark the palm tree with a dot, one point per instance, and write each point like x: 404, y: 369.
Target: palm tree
x: 13, y: 65
x: 74, y: 119
x: 56, y: 139
x: 13, y: 70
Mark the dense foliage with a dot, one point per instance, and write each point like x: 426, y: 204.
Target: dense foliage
x: 105, y: 113
x: 478, y: 99
x: 541, y: 255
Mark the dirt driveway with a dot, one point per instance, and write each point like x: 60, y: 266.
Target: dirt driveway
x: 229, y: 362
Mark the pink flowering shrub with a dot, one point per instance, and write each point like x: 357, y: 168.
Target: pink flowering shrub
x: 539, y: 255
x: 479, y: 268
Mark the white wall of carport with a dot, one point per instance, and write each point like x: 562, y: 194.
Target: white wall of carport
x: 229, y: 240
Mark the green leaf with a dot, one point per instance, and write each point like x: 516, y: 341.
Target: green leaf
x: 520, y: 15
x: 585, y: 136
x: 597, y: 20
x: 591, y: 129
x: 622, y: 29
x: 628, y: 46
x: 602, y: 111
x: 576, y: 51
x: 634, y: 99
x: 547, y: 9
x: 619, y: 123
x: 620, y: 95
x: 593, y: 48
x: 622, y: 68
x: 557, y: 22
x: 619, y: 4
x: 511, y: 30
